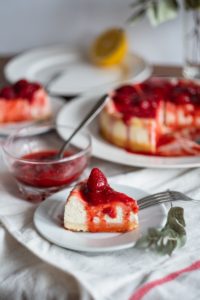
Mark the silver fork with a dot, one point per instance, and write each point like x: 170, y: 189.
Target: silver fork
x: 163, y: 197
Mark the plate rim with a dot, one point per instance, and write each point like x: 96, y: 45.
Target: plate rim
x: 93, y: 249
x: 10, y: 67
x: 28, y: 53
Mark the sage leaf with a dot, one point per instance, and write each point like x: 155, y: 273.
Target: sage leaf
x: 162, y: 11
x: 138, y: 3
x: 168, y: 238
x: 137, y: 15
x: 177, y: 213
x: 159, y: 11
x: 192, y: 4
x: 176, y: 226
x: 168, y: 242
x: 142, y: 243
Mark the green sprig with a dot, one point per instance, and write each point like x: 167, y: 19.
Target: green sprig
x: 159, y: 11
x: 170, y: 237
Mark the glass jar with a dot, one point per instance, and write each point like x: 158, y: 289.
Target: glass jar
x: 191, y: 68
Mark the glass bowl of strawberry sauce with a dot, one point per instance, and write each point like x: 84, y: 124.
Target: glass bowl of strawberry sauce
x: 30, y: 156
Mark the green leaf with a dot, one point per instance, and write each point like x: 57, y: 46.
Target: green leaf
x: 176, y: 226
x: 159, y: 11
x: 177, y: 213
x: 143, y: 242
x: 170, y: 237
x: 137, y: 15
x: 162, y: 11
x: 192, y: 4
x: 150, y: 239
x: 138, y: 3
x: 181, y: 241
x: 168, y: 242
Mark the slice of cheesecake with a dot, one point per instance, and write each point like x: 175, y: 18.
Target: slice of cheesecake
x: 24, y: 101
x: 93, y: 206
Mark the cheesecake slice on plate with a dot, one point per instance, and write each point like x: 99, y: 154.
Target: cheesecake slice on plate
x: 24, y: 101
x: 93, y: 206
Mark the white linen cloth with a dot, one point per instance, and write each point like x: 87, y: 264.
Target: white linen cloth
x: 33, y: 268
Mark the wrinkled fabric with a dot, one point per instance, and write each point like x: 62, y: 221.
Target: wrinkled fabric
x: 32, y: 266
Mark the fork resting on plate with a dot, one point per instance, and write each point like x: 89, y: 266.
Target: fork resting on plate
x: 163, y: 197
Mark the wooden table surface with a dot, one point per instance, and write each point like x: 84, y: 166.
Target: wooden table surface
x: 159, y: 70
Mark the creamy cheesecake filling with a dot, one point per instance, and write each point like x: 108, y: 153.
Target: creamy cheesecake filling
x: 139, y: 135
x: 79, y: 217
x: 75, y: 215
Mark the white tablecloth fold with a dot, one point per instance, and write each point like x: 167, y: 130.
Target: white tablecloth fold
x: 116, y: 275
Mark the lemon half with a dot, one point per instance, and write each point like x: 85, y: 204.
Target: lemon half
x: 110, y: 47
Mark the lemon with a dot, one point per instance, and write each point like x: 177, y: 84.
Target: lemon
x: 110, y: 47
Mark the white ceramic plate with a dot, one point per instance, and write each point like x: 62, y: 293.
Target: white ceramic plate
x: 77, y: 74
x: 47, y: 220
x: 73, y: 113
x: 6, y: 129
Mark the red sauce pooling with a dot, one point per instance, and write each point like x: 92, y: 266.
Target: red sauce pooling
x: 48, y: 175
x: 102, y: 200
x: 21, y: 89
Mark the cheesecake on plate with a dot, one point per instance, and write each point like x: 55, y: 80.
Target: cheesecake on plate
x: 93, y: 206
x: 137, y: 117
x: 24, y: 101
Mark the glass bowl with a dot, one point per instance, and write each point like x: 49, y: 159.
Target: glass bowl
x: 30, y: 156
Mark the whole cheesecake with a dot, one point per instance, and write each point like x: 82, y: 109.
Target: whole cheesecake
x: 137, y: 117
x: 24, y: 101
x: 93, y: 206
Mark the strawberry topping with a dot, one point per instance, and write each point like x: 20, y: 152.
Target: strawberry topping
x: 21, y: 89
x: 97, y: 181
x: 97, y: 191
x: 7, y: 92
x: 143, y: 100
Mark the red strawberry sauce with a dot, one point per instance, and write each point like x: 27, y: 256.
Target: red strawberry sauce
x: 142, y: 100
x: 97, y: 191
x: 47, y: 175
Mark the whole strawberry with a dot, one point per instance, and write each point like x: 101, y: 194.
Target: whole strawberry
x: 97, y: 181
